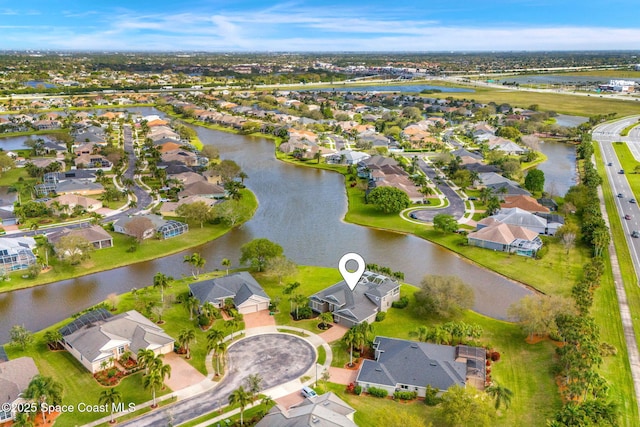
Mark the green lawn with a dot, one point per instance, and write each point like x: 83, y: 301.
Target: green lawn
x: 117, y: 256
x: 79, y: 385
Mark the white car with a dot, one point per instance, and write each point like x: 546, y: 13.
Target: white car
x: 308, y: 392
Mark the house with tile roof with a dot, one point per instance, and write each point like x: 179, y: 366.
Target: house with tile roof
x: 325, y: 410
x: 15, y: 376
x: 402, y: 365
x: 502, y: 237
x: 102, y: 342
x: 524, y: 202
x: 156, y: 226
x: 246, y: 293
x: 373, y: 293
x: 522, y: 218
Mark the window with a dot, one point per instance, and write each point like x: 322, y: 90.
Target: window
x: 120, y: 349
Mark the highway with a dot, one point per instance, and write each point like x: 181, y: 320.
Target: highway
x: 606, y: 135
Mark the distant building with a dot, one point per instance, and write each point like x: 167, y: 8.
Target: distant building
x: 619, y: 86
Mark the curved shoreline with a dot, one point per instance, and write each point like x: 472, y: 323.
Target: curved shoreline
x: 88, y: 271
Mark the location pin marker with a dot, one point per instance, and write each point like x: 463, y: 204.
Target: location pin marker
x: 351, y: 278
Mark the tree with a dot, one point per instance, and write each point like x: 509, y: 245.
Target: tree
x: 567, y: 235
x: 161, y: 280
x: 325, y: 319
x: 145, y: 357
x: 493, y: 205
x: 241, y: 398
x: 281, y: 266
x: 536, y: 313
x: 389, y: 199
x: 139, y: 228
x: 501, y: 394
x: 73, y: 249
x: 21, y: 336
x: 464, y: 406
x: 254, y: 382
x: 445, y: 223
x: 509, y: 132
x: 45, y: 391
x: 351, y: 338
x: 229, y: 211
x: 210, y: 152
x: 443, y: 295
x: 259, y: 251
x: 110, y: 397
x: 534, y: 181
x: 214, y: 338
x: 226, y: 262
x: 232, y: 324
x: 185, y: 338
x: 191, y: 303
x: 196, y: 261
x: 194, y: 212
x: 227, y: 170
x: 153, y: 380
x: 53, y: 338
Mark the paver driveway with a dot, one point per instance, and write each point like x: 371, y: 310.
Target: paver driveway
x: 277, y: 358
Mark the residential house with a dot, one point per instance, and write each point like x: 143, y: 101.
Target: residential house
x: 68, y: 202
x: 402, y: 365
x: 56, y: 177
x: 99, y: 343
x: 156, y: 226
x: 96, y: 235
x: 203, y: 189
x: 505, y: 238
x: 348, y: 157
x: 77, y: 186
x: 524, y: 202
x: 7, y: 200
x: 15, y: 376
x: 373, y: 293
x: 16, y: 253
x: 247, y: 294
x: 188, y: 158
x: 323, y: 410
x: 522, y: 218
x: 92, y: 161
x: 505, y: 145
x: 170, y: 208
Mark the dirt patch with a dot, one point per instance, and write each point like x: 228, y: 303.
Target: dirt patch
x: 538, y: 338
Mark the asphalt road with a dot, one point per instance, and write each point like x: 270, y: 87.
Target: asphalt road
x: 277, y: 358
x: 456, y: 204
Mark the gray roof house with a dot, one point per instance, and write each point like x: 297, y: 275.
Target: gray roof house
x: 516, y: 216
x: 15, y: 376
x: 402, y: 365
x: 373, y: 293
x: 247, y: 294
x: 99, y: 343
x: 325, y: 410
x: 164, y: 228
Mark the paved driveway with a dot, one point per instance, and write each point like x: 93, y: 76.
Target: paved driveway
x: 182, y: 374
x: 277, y: 358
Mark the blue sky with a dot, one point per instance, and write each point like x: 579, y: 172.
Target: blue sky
x: 373, y: 25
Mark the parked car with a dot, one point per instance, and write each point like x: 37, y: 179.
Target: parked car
x: 635, y: 233
x: 308, y: 392
x: 627, y: 216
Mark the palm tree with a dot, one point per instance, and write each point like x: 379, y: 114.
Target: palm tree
x: 501, y: 394
x: 145, y: 357
x: 152, y: 381
x: 254, y: 382
x: 366, y: 334
x: 242, y: 177
x: 242, y: 398
x: 226, y: 262
x: 232, y: 323
x: 220, y: 350
x: 45, y: 391
x: 267, y: 401
x: 23, y: 419
x: 110, y: 397
x: 185, y: 338
x: 53, y: 339
x: 196, y: 261
x: 160, y: 280
x: 350, y: 339
x: 191, y: 303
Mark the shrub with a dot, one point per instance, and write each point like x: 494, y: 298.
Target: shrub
x: 112, y: 372
x: 403, y: 302
x: 304, y: 312
x: 495, y: 356
x: 405, y: 395
x: 607, y: 349
x: 377, y: 392
x: 357, y: 390
x: 203, y: 320
x: 542, y: 252
x: 431, y: 396
x: 380, y: 316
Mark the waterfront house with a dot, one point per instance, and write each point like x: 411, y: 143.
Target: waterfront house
x: 246, y: 293
x: 15, y: 376
x: 96, y: 344
x: 373, y: 293
x: 16, y: 253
